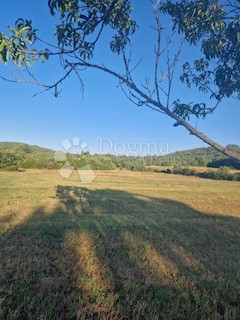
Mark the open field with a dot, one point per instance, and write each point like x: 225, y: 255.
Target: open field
x: 128, y: 246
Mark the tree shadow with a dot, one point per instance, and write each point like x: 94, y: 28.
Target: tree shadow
x: 109, y: 254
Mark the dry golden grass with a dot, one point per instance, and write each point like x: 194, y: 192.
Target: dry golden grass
x: 128, y: 246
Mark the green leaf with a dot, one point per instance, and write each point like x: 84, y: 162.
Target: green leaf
x: 2, y: 45
x: 21, y: 31
x: 8, y: 55
x: 21, y: 58
x: 28, y: 62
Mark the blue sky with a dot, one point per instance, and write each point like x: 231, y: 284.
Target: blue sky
x: 103, y: 112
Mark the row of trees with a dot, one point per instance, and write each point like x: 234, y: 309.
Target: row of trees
x: 24, y: 156
x: 200, y: 157
x: 223, y: 173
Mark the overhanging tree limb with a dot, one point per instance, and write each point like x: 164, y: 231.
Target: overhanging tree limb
x: 165, y: 110
x: 82, y: 25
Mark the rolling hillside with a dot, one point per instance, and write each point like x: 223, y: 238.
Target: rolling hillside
x: 204, y: 157
x: 32, y: 148
x: 15, y: 154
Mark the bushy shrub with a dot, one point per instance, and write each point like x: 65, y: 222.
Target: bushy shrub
x: 237, y: 176
x: 222, y: 173
x: 139, y: 167
x: 169, y: 171
x: 27, y: 163
x: 224, y: 163
x: 186, y: 171
x: 210, y: 174
x: 101, y: 164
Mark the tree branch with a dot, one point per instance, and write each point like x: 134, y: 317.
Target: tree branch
x: 165, y: 110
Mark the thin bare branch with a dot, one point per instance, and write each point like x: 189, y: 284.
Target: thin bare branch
x: 55, y: 85
x: 158, y: 54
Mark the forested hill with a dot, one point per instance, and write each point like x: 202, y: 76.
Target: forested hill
x: 14, y: 155
x: 206, y: 157
x: 25, y: 146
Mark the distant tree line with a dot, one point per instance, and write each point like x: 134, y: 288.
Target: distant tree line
x: 15, y: 155
x: 223, y: 173
x: 200, y: 157
x: 18, y: 155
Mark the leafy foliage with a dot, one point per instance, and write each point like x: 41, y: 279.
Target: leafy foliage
x: 81, y: 24
x: 16, y: 44
x: 186, y: 110
x: 223, y: 173
x: 184, y: 171
x: 208, y: 24
x: 216, y: 28
x: 81, y: 19
x: 18, y: 155
x: 203, y: 157
x: 15, y: 155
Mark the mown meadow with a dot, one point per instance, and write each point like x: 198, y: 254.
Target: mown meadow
x: 127, y: 246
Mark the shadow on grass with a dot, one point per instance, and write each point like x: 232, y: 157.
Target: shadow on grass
x: 108, y: 254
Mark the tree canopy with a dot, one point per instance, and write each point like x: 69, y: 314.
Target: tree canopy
x: 15, y: 156
x: 211, y: 25
x: 216, y: 27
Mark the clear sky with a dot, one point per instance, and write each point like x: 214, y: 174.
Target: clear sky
x: 103, y: 113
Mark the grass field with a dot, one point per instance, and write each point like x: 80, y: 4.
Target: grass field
x: 128, y: 246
